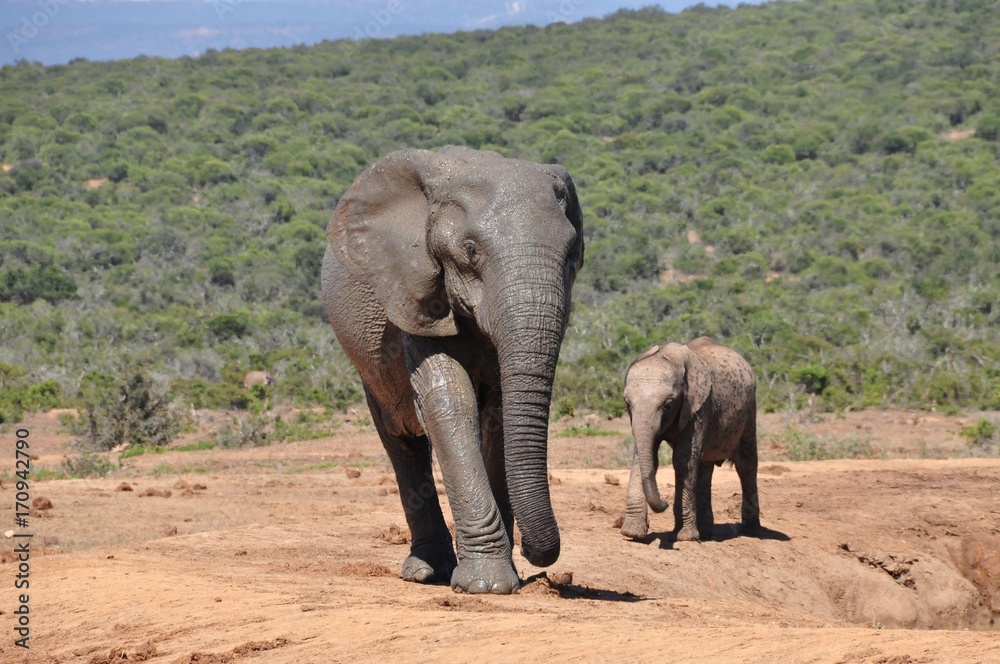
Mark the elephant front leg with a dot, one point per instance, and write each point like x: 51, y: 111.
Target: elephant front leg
x: 685, y: 463
x: 432, y: 556
x: 636, y: 522
x: 447, y: 406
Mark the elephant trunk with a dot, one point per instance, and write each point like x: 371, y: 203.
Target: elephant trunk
x: 528, y: 338
x: 647, y: 447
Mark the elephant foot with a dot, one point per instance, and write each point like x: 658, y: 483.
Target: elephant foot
x: 429, y: 565
x: 485, y: 575
x: 688, y: 534
x: 635, y: 527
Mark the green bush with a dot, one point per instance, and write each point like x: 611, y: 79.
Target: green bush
x: 801, y: 446
x: 228, y: 326
x: 813, y: 378
x: 981, y: 437
x: 779, y: 154
x: 124, y: 410
x: 45, y: 282
x: 988, y: 127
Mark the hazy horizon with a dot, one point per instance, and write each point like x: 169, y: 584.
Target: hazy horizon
x: 58, y: 31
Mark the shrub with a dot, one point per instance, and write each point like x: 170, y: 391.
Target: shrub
x: 128, y: 410
x: 779, y: 154
x: 200, y: 393
x: 801, y: 446
x: 221, y: 272
x: 227, y: 326
x: 24, y: 286
x: 246, y: 431
x: 904, y: 140
x: 87, y: 464
x: 988, y: 127
x: 983, y: 436
x: 813, y: 378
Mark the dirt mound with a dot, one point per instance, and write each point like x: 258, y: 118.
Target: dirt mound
x: 978, y: 560
x: 365, y: 569
x: 396, y: 534
x: 139, y: 653
x: 237, y: 653
x: 159, y: 493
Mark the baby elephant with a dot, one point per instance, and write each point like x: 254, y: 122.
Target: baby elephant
x: 701, y: 398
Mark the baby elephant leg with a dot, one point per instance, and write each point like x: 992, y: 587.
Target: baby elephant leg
x: 686, y: 472
x: 746, y: 468
x: 703, y: 500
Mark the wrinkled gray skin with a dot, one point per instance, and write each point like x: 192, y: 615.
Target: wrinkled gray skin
x: 447, y: 281
x: 701, y: 398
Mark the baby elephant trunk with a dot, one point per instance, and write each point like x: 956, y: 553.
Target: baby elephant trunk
x: 646, y: 447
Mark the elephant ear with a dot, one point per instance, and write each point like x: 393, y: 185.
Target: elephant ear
x: 697, y: 386
x: 379, y: 233
x: 652, y: 351
x: 565, y: 191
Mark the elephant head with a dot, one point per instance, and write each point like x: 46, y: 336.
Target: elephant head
x: 664, y: 390
x: 466, y: 242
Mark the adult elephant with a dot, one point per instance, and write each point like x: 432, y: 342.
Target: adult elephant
x: 447, y: 281
x: 701, y: 398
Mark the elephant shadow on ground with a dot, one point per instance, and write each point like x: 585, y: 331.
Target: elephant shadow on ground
x: 720, y: 533
x: 542, y: 584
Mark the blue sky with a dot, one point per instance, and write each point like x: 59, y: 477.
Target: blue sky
x: 57, y: 31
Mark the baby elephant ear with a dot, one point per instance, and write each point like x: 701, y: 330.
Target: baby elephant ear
x: 697, y: 386
x: 652, y: 351
x: 379, y: 233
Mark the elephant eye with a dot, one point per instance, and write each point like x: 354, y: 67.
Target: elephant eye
x: 563, y: 197
x: 471, y: 251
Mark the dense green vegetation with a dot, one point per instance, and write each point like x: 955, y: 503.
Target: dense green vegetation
x: 815, y: 183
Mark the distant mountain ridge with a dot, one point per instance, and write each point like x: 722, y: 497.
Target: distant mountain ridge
x: 58, y: 31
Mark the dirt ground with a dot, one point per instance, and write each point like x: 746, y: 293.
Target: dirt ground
x: 291, y: 553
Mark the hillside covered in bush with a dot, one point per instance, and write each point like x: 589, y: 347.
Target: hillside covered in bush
x: 815, y: 183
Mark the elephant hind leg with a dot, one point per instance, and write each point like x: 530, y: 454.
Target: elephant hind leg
x: 746, y: 468
x: 703, y: 500
x: 432, y: 555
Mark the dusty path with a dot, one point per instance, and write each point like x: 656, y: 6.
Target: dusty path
x: 276, y: 555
